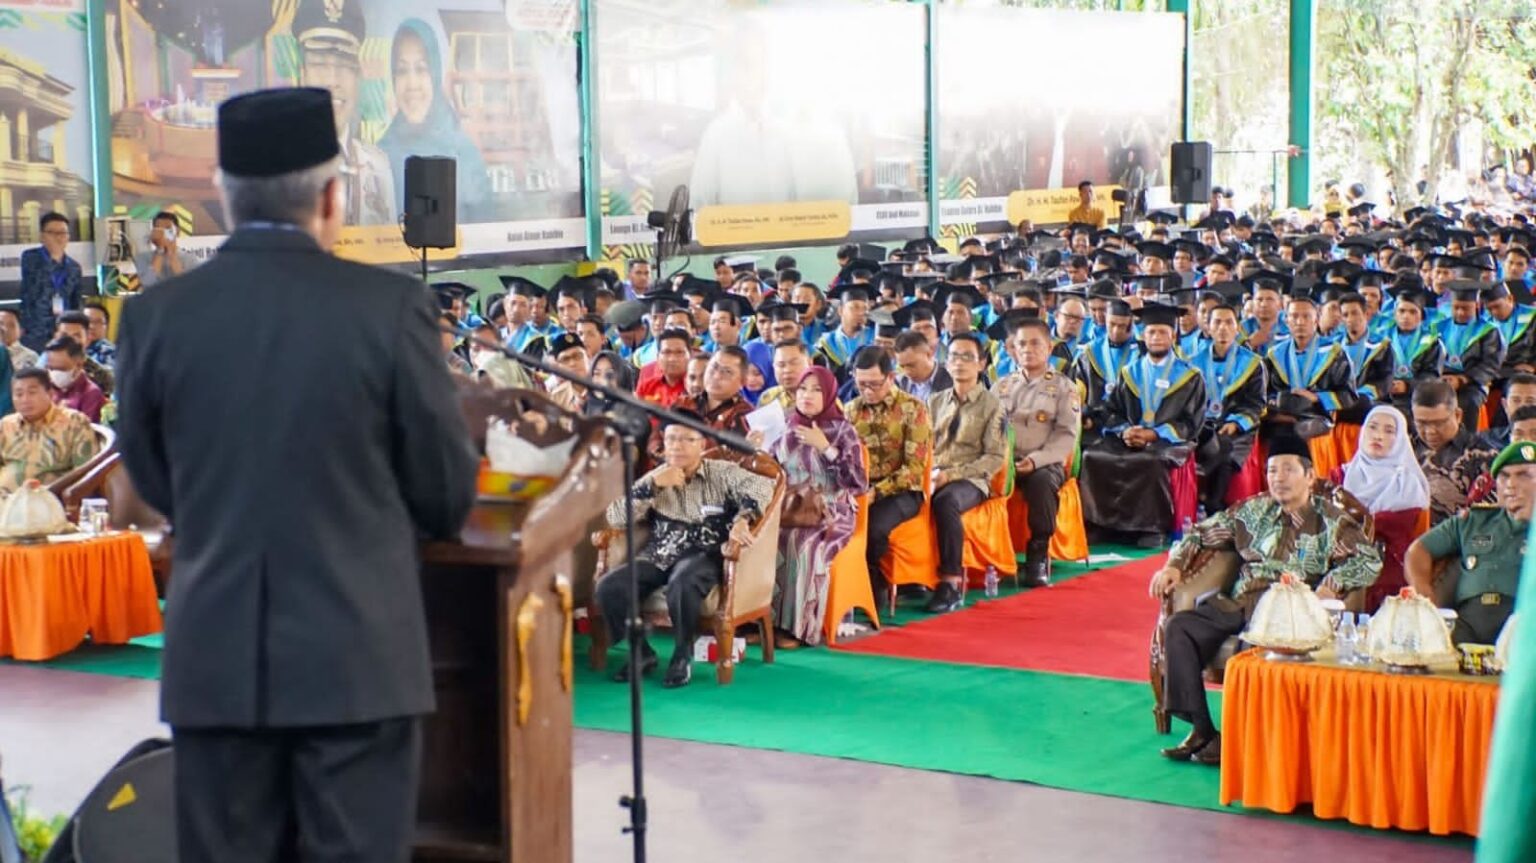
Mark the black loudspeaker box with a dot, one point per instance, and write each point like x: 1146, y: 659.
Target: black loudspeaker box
x: 431, y: 196
x: 1191, y: 172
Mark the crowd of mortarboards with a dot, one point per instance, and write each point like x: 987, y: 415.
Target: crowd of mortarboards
x: 1277, y: 328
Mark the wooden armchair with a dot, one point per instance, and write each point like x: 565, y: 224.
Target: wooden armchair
x: 1214, y: 570
x: 745, y: 593
x: 106, y: 447
x: 108, y: 479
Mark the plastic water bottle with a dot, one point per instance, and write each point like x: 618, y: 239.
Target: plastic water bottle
x: 1187, y: 528
x: 1344, y: 639
x: 991, y: 582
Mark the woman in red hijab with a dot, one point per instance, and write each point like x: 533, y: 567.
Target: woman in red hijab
x: 820, y: 452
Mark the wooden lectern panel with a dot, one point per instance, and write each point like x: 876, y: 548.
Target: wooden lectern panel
x: 496, y: 765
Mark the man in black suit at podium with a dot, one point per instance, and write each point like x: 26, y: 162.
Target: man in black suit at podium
x: 290, y: 413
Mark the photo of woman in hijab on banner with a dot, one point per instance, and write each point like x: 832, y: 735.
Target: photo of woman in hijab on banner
x: 437, y: 78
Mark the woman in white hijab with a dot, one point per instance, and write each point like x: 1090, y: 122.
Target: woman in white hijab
x: 1386, y: 477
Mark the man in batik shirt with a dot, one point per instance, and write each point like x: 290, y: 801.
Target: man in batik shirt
x: 896, y: 433
x: 42, y: 440
x: 1290, y: 530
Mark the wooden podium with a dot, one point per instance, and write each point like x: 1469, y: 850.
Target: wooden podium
x: 496, y: 758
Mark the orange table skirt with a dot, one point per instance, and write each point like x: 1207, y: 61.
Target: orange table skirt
x: 52, y: 595
x: 1379, y: 750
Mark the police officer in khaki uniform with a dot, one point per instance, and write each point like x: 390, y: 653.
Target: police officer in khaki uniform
x: 1043, y: 406
x: 1484, y: 548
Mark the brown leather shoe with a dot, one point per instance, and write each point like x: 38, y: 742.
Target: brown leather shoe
x: 1211, y: 754
x: 1192, y: 744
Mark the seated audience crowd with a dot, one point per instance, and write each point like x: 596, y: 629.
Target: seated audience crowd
x: 1229, y: 382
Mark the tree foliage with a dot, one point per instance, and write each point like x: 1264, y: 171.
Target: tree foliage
x: 1399, y: 80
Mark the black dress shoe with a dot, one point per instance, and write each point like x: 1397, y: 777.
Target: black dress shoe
x: 1210, y: 754
x: 1192, y: 744
x: 648, y: 662
x: 945, y: 598
x: 1036, y: 573
x: 679, y: 671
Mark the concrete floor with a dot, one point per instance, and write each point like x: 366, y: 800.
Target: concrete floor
x: 59, y: 731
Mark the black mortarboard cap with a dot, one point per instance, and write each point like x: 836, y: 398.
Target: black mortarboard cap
x: 858, y: 268
x: 915, y: 310
x: 581, y: 288
x: 662, y: 300
x: 926, y: 244
x: 736, y: 304
x: 775, y: 310
x: 871, y: 252
x: 1217, y: 221
x: 1465, y: 289
x: 1163, y: 217
x: 850, y: 292
x: 454, y: 289
x: 1268, y: 279
x: 1105, y: 289
x: 1154, y: 249
x: 247, y: 145
x: 1344, y: 269
x: 1415, y: 295
x: 1161, y: 284
x: 1319, y: 243
x: 885, y: 323
x: 1364, y: 208
x: 1119, y: 309
x: 1499, y: 290
x: 522, y: 287
x: 626, y: 315
x: 1009, y: 321
x: 1157, y: 313
x: 958, y: 293
x: 1230, y: 291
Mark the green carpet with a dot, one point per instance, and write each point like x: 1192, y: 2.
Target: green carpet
x: 1077, y: 733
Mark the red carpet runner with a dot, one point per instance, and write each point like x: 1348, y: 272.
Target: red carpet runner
x: 1097, y: 625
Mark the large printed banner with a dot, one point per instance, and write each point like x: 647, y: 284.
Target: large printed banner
x: 1083, y: 96
x: 799, y: 121
x: 408, y: 77
x: 45, y: 127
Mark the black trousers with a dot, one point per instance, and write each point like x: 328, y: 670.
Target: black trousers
x: 949, y: 503
x: 687, y: 583
x: 1190, y: 641
x: 331, y: 794
x: 1041, y: 489
x: 1220, y: 458
x: 885, y: 515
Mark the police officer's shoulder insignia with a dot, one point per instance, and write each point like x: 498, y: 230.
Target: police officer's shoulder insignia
x: 1050, y: 375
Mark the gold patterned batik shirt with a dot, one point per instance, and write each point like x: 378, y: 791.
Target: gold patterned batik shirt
x: 45, y: 450
x: 898, y: 438
x: 697, y: 515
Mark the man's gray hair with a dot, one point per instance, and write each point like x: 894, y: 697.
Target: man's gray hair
x: 290, y: 198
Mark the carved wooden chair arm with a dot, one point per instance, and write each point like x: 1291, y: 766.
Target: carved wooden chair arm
x: 601, y: 539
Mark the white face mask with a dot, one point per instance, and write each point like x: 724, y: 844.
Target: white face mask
x: 61, y: 379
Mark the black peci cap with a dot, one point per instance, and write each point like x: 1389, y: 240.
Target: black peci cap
x: 247, y: 147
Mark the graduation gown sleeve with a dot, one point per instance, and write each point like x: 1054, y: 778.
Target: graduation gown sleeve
x: 1245, y: 404
x: 1374, y: 380
x: 1482, y: 360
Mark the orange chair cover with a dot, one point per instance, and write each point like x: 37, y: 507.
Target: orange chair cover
x: 1325, y: 455
x: 913, y: 556
x: 1346, y: 441
x: 1376, y: 749
x: 52, y: 595
x: 1070, y: 541
x: 848, y: 579
x: 1486, y: 413
x: 988, y: 540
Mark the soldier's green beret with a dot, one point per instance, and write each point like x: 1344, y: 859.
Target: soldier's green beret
x: 1522, y: 452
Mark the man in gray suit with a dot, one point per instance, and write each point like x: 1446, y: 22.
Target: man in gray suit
x: 289, y: 412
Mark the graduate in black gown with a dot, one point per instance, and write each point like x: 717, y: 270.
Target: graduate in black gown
x: 1235, y: 382
x: 1155, y: 415
x: 1474, y: 350
x: 1308, y: 380
x: 1416, y: 350
x: 1099, y: 363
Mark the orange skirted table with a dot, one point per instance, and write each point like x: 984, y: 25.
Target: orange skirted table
x: 1380, y: 750
x: 53, y: 594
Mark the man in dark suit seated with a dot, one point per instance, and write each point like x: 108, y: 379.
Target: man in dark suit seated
x: 1289, y: 530
x: 291, y: 414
